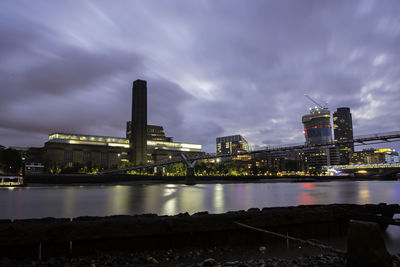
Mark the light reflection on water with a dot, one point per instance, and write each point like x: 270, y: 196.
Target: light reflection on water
x: 170, y: 199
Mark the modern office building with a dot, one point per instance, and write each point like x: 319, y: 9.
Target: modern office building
x: 154, y: 133
x: 343, y: 132
x: 139, y: 120
x: 64, y: 149
x: 233, y: 144
x: 317, y: 131
x: 315, y: 158
x: 317, y: 126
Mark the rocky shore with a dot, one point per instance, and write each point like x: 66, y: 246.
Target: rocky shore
x: 215, y: 256
x: 202, y: 239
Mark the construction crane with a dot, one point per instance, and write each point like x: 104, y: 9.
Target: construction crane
x: 315, y: 102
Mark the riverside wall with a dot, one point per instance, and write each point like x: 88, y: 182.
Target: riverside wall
x: 118, y: 178
x: 49, y: 237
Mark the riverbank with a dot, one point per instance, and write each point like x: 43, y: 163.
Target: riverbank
x: 49, y: 237
x: 69, y: 179
x: 213, y: 256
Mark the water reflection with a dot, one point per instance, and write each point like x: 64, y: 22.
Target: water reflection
x: 150, y: 196
x: 170, y: 207
x: 170, y: 199
x: 120, y: 199
x: 218, y: 204
x: 307, y: 186
x: 305, y: 197
x: 70, y: 203
x: 364, y: 196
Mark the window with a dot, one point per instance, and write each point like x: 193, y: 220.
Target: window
x: 86, y: 156
x: 68, y: 156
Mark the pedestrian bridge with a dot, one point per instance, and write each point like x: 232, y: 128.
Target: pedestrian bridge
x: 191, y: 161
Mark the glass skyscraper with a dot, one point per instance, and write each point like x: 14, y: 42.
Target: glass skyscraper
x: 317, y: 126
x: 343, y: 131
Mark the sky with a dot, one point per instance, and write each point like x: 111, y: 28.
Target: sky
x: 213, y: 68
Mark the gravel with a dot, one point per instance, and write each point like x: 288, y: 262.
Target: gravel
x: 216, y: 256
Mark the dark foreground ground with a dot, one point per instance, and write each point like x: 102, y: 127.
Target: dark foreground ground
x: 198, y: 240
x: 215, y: 256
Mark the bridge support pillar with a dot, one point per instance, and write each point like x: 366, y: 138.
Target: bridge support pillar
x: 190, y: 180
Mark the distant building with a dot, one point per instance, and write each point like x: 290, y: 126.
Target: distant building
x: 154, y: 133
x: 317, y: 126
x: 318, y: 131
x: 34, y: 168
x: 233, y: 144
x: 317, y: 157
x: 343, y: 132
x: 139, y: 120
x: 375, y: 156
x: 66, y: 149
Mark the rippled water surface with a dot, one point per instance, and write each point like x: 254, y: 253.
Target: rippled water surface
x: 170, y: 199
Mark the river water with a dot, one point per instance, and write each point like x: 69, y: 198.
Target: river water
x: 171, y: 199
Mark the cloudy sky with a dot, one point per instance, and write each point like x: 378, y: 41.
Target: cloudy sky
x: 213, y: 68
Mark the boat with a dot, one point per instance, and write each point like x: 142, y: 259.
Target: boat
x: 11, y: 181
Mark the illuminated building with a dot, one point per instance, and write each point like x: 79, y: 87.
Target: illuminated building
x: 106, y: 151
x: 317, y: 126
x: 66, y: 149
x: 375, y: 156
x: 233, y: 144
x: 139, y: 120
x: 154, y: 132
x: 34, y: 168
x: 317, y: 131
x: 343, y: 132
x: 317, y: 157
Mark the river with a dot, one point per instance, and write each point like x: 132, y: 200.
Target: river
x: 171, y: 199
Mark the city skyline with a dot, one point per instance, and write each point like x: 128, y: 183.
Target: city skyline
x: 213, y: 69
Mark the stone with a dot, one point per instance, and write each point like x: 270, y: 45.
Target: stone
x: 366, y: 246
x: 231, y: 263
x: 209, y: 262
x: 152, y: 260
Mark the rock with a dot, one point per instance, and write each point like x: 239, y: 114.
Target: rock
x: 253, y: 210
x: 365, y: 246
x: 209, y: 262
x: 231, y: 263
x: 262, y: 249
x: 152, y: 260
x: 260, y: 262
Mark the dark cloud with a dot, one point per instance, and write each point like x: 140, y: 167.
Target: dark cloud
x: 213, y: 68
